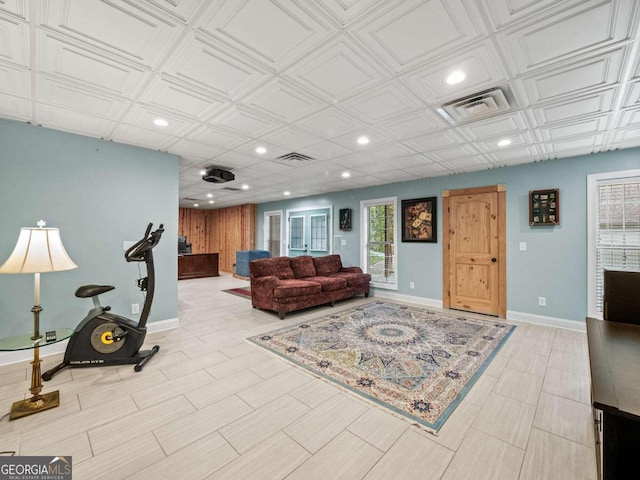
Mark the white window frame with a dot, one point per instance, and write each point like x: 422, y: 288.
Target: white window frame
x: 326, y: 229
x: 592, y: 204
x: 364, y: 240
x: 304, y: 227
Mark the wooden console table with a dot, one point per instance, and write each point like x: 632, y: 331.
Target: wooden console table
x: 614, y: 357
x: 197, y: 265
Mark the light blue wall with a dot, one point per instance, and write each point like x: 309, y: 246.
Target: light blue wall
x: 555, y: 262
x: 100, y: 194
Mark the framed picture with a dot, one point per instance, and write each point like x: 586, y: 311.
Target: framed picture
x: 419, y: 222
x: 345, y: 219
x: 544, y: 207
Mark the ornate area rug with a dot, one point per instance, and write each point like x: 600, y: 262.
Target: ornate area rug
x: 414, y: 361
x: 244, y: 292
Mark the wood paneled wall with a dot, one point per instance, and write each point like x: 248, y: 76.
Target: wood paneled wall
x: 224, y: 231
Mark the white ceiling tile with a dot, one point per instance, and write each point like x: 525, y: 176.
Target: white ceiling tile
x: 517, y: 139
x: 481, y: 66
x: 350, y: 140
x: 143, y: 116
x: 412, y: 125
x: 588, y: 26
x: 217, y: 137
x: 15, y: 7
x: 15, y: 80
x: 123, y: 28
x: 281, y: 99
x: 633, y: 95
x: 590, y: 143
x: 382, y: 103
x: 590, y: 126
x: 629, y: 117
x: 325, y: 151
x: 625, y: 135
x: 426, y: 170
x: 71, y: 121
x: 345, y: 11
x: 69, y: 96
x: 15, y: 108
x: 195, y: 150
x: 275, y: 33
x: 249, y: 149
x: 393, y: 151
x: 574, y: 108
x: 192, y: 103
x: 243, y: 122
x: 209, y: 65
x: 330, y: 123
x: 492, y: 127
x: 467, y: 164
x: 434, y: 141
x: 183, y: 10
x: 337, y: 70
x: 590, y: 74
x: 410, y: 32
x: 454, y: 153
x: 142, y: 137
x: 14, y: 41
x: 514, y: 156
x: 93, y: 69
x: 503, y: 13
x: 234, y: 159
x: 291, y: 138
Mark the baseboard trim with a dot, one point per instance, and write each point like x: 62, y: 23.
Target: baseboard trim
x: 429, y: 302
x: 547, y: 321
x: 7, y: 358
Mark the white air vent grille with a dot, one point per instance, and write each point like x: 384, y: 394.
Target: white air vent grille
x: 231, y: 189
x: 294, y: 159
x: 477, y: 106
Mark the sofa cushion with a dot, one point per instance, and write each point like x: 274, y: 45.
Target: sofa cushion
x: 277, y: 266
x: 303, y: 266
x: 353, y: 279
x: 328, y: 264
x: 295, y: 288
x: 329, y: 284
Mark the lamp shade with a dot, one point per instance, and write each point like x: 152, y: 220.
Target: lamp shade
x: 38, y: 250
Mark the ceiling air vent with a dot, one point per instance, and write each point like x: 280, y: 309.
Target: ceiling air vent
x: 477, y: 106
x: 294, y: 159
x: 231, y: 189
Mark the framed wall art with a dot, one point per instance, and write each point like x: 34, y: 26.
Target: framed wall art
x: 345, y: 219
x: 419, y: 222
x: 544, y: 207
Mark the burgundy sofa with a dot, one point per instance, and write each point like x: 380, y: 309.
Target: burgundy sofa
x: 285, y: 284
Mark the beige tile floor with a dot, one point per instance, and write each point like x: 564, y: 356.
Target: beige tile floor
x: 212, y: 406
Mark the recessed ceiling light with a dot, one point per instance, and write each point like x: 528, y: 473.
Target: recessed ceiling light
x: 209, y: 195
x: 346, y: 174
x: 212, y: 201
x: 504, y: 142
x: 160, y: 122
x: 203, y: 172
x: 363, y: 140
x: 456, y: 77
x: 196, y: 204
x: 245, y: 187
x: 287, y: 193
x: 261, y: 150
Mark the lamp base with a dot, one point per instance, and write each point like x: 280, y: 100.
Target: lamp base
x: 35, y: 404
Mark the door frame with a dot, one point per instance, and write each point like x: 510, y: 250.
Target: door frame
x: 266, y: 229
x: 289, y: 211
x: 502, y: 242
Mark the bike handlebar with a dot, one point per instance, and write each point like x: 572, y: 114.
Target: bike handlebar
x: 137, y: 252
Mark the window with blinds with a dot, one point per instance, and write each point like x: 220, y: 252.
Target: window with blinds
x: 617, y: 229
x: 379, y: 228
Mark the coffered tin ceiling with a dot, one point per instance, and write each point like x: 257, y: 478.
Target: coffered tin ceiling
x: 311, y: 76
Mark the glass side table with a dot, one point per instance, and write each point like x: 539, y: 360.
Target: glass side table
x: 37, y: 402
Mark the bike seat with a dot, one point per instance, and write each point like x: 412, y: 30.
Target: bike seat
x: 87, y: 291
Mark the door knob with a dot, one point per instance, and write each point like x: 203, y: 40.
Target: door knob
x: 494, y: 260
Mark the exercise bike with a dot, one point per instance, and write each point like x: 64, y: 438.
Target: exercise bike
x: 104, y: 338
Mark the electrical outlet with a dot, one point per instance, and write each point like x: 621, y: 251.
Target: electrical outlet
x: 135, y: 308
x: 412, y: 285
x: 542, y: 301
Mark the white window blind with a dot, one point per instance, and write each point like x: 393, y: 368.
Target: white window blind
x: 617, y: 235
x: 380, y: 260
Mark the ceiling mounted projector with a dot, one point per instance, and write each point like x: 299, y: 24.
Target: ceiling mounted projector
x: 217, y: 175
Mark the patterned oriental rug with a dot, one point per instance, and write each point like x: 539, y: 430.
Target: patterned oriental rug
x: 416, y: 362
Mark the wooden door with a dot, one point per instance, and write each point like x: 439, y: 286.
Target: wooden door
x: 475, y: 250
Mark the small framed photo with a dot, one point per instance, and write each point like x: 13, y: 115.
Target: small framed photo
x: 544, y: 207
x: 419, y: 222
x: 345, y: 219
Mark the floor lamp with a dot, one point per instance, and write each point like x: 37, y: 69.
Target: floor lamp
x: 37, y: 251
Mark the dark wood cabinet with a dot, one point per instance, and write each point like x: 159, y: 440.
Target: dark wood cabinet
x: 197, y: 265
x: 614, y: 358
